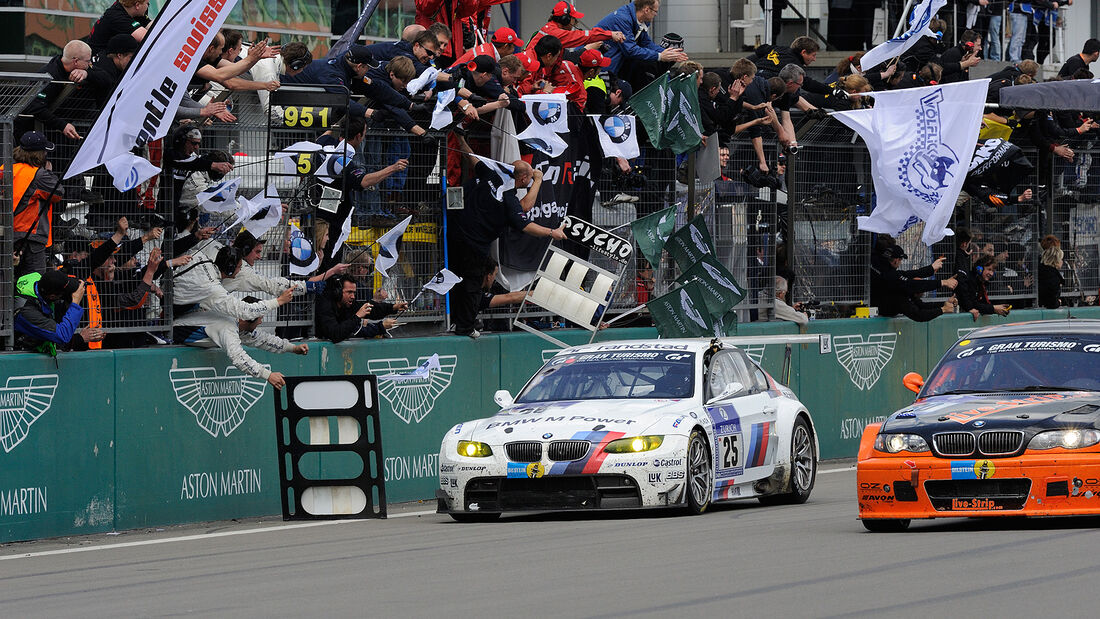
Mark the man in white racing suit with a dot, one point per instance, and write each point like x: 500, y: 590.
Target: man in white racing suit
x: 207, y: 315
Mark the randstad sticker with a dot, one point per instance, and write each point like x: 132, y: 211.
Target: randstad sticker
x: 972, y: 469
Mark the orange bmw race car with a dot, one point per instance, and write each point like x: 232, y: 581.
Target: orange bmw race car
x: 1007, y: 424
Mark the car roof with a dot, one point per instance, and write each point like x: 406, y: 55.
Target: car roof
x: 690, y: 345
x: 1073, y: 326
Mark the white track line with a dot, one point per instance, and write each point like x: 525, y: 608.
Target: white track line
x: 844, y: 470
x: 187, y: 538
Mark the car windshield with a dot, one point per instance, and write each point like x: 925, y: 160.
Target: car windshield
x: 1018, y: 363
x: 636, y: 374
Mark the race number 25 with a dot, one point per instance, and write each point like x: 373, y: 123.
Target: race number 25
x: 729, y: 451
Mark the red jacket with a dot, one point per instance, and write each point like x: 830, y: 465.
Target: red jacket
x: 450, y: 13
x: 484, y: 49
x: 564, y: 76
x: 570, y: 38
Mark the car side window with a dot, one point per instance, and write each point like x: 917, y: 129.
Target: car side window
x: 726, y: 367
x: 759, y: 378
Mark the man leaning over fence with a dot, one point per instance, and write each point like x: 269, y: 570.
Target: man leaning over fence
x: 37, y: 191
x: 896, y: 292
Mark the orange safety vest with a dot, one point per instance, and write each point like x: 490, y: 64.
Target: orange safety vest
x: 95, y: 310
x: 30, y: 214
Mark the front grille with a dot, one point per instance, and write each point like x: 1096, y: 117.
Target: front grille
x: 552, y: 492
x: 568, y: 450
x: 1000, y: 442
x: 977, y: 494
x: 524, y: 451
x: 953, y: 443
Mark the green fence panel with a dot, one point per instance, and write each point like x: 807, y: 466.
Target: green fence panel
x: 57, y: 462
x: 196, y: 438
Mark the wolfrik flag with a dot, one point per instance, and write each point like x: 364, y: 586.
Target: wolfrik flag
x: 921, y: 142
x: 128, y: 171
x: 918, y: 27
x: 145, y: 101
x: 443, y: 281
x: 548, y: 114
x: 618, y: 135
x: 387, y: 247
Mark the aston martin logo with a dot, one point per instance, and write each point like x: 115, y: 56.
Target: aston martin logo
x: 219, y: 403
x: 864, y: 359
x: 23, y: 399
x: 414, y: 397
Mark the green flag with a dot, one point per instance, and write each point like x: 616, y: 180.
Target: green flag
x: 690, y: 243
x: 682, y: 312
x: 722, y: 290
x: 650, y: 105
x: 683, y: 129
x: 651, y: 233
x: 726, y: 325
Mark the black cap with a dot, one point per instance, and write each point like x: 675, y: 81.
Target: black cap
x: 359, y: 54
x: 55, y: 282
x: 894, y: 251
x: 33, y: 140
x: 482, y: 64
x: 122, y: 44
x: 672, y: 40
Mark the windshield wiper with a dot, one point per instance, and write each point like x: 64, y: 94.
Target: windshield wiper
x: 1047, y: 388
x: 961, y: 391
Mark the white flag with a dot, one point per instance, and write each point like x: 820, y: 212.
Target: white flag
x: 303, y: 260
x: 422, y: 371
x: 345, y: 233
x: 441, y: 116
x: 295, y: 154
x: 618, y: 135
x: 918, y: 27
x: 336, y: 158
x: 144, y: 103
x: 921, y: 141
x: 221, y: 197
x: 443, y: 281
x: 387, y: 247
x: 549, y: 117
x: 128, y: 171
x: 268, y: 199
x: 420, y: 82
x: 503, y: 173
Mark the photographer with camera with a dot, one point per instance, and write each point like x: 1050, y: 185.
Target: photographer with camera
x: 896, y: 292
x: 336, y: 316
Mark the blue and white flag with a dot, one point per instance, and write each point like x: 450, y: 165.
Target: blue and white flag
x: 128, y: 171
x: 443, y: 281
x: 441, y: 116
x: 387, y: 247
x: 221, y: 197
x: 918, y: 27
x: 921, y: 141
x: 422, y: 371
x: 549, y: 117
x: 618, y: 135
x: 262, y: 220
x: 502, y: 179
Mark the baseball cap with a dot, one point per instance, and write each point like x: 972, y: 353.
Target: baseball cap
x: 530, y: 63
x: 894, y: 251
x: 33, y: 140
x: 672, y: 40
x: 593, y: 58
x: 122, y: 44
x: 359, y: 54
x: 56, y: 282
x: 507, y: 35
x: 623, y: 85
x: 563, y: 9
x: 482, y: 64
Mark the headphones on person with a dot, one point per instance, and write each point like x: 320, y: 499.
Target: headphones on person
x: 299, y: 64
x: 334, y: 287
x: 979, y: 269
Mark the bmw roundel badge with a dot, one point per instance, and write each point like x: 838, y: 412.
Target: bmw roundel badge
x: 547, y: 435
x: 979, y: 423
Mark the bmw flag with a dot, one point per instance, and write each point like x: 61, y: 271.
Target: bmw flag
x: 221, y: 197
x: 921, y: 142
x: 443, y: 281
x: 618, y: 135
x: 387, y: 247
x: 549, y: 117
x: 918, y: 27
x: 128, y: 171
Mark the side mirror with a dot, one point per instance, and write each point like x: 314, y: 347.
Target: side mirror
x: 913, y: 382
x: 731, y: 389
x: 503, y: 398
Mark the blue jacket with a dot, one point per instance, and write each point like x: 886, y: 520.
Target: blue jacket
x: 638, y: 45
x: 336, y: 72
x: 35, y: 319
x: 385, y: 52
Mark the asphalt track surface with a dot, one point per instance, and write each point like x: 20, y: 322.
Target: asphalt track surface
x: 812, y: 560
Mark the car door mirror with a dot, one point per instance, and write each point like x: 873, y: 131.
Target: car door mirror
x: 503, y: 398
x: 913, y: 382
x: 730, y: 389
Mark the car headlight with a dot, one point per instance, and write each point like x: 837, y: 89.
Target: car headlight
x: 1066, y: 439
x: 893, y: 443
x: 474, y: 449
x: 634, y: 444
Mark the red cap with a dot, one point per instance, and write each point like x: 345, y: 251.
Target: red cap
x: 507, y: 35
x: 530, y: 63
x: 563, y: 8
x: 593, y: 58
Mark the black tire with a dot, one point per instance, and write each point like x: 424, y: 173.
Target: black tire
x: 885, y: 525
x: 700, y: 473
x: 475, y: 516
x: 803, y: 467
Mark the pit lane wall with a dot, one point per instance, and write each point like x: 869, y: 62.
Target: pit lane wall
x: 103, y: 441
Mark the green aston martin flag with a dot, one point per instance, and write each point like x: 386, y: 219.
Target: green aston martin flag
x: 722, y: 290
x: 649, y: 106
x: 651, y: 233
x: 683, y: 128
x: 682, y: 312
x: 690, y: 243
x: 726, y: 325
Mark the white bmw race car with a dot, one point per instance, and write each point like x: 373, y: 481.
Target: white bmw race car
x: 633, y: 424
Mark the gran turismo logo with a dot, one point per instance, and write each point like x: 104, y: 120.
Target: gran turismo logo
x: 864, y: 359
x: 23, y: 399
x: 412, y: 399
x: 219, y: 403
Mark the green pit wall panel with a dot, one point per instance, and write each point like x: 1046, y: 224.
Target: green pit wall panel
x: 161, y: 436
